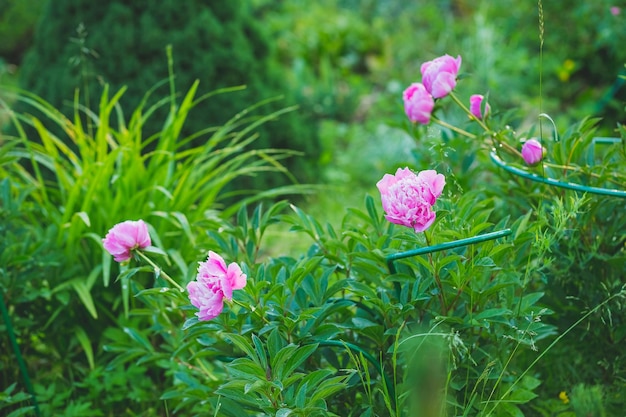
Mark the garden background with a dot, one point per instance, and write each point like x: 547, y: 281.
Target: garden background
x: 259, y: 130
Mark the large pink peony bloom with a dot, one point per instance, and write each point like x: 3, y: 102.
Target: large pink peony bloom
x: 476, y: 106
x: 408, y: 198
x: 418, y: 103
x: 532, y: 152
x: 125, y: 237
x: 439, y: 75
x: 214, y: 282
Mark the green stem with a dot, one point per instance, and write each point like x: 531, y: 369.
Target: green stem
x: 469, y: 113
x: 453, y: 128
x: 573, y: 168
x: 159, y: 271
x: 510, y: 149
x: 482, y: 124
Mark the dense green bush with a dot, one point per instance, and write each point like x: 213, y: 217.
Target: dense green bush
x: 334, y: 332
x: 82, y: 44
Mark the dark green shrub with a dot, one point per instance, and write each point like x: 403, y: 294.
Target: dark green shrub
x: 83, y: 44
x: 17, y: 23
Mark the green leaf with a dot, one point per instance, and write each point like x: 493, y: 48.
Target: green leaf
x: 327, y: 388
x: 523, y: 222
x: 248, y: 369
x: 85, y: 343
x: 22, y: 411
x: 190, y: 322
x: 299, y: 356
x: 260, y: 351
x: 139, y: 338
x: 278, y: 361
x: 85, y: 296
x: 492, y: 312
x: 243, y: 345
x: 284, y: 412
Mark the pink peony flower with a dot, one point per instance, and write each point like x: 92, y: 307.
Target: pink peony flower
x: 214, y: 282
x: 532, y: 152
x: 418, y: 103
x: 476, y: 106
x: 439, y: 75
x: 408, y: 198
x: 125, y: 237
x: 615, y: 11
x: 208, y: 299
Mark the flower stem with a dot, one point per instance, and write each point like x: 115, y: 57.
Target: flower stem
x: 482, y: 124
x: 159, y: 271
x: 469, y: 113
x: 510, y: 149
x: 453, y: 128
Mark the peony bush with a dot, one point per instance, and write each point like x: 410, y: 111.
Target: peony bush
x: 460, y: 328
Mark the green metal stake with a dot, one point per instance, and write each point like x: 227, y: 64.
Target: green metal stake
x: 443, y: 246
x: 20, y: 359
x: 551, y: 181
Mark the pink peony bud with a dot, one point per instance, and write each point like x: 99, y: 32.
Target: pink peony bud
x: 476, y: 106
x: 439, y: 75
x: 418, y: 103
x: 408, y: 198
x: 125, y: 237
x: 532, y: 152
x: 214, y: 282
x: 615, y: 11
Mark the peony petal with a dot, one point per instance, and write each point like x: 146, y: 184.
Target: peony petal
x: 236, y: 276
x: 443, y: 84
x: 434, y: 181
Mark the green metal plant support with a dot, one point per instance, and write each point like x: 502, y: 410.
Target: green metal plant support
x: 556, y: 183
x: 443, y: 246
x: 18, y: 354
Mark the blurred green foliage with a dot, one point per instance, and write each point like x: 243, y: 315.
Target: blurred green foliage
x: 17, y: 24
x: 81, y: 44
